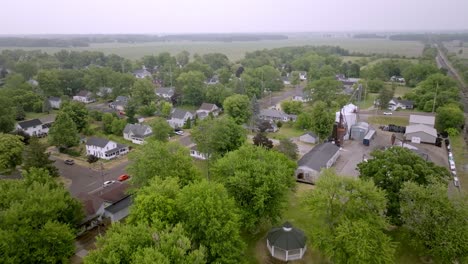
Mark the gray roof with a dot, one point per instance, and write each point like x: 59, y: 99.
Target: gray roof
x: 84, y: 93
x: 141, y: 71
x: 421, y: 128
x: 122, y: 204
x: 318, y: 157
x: 30, y: 123
x: 119, y: 147
x: 403, y: 102
x: 94, y: 141
x: 55, y: 99
x: 287, y: 237
x: 207, y: 107
x: 310, y: 133
x: 137, y: 129
x: 165, y: 90
x: 121, y: 98
x: 48, y: 119
x: 421, y: 119
x: 178, y: 113
x: 362, y: 125
x: 273, y: 113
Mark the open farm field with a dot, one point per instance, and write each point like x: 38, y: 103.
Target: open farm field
x: 236, y: 50
x: 455, y: 48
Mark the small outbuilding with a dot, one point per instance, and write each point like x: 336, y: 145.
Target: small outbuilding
x: 359, y: 131
x: 286, y: 243
x: 309, y: 137
x: 421, y: 134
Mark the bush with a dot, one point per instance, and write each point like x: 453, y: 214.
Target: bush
x: 279, y: 124
x: 70, y: 151
x: 92, y: 159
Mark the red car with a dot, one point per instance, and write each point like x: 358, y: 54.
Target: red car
x: 123, y: 177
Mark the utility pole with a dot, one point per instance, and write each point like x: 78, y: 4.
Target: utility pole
x: 435, y: 96
x: 170, y: 73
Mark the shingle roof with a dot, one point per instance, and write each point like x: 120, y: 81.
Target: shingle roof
x: 30, y: 123
x: 310, y: 133
x: 420, y: 119
x: 84, y: 93
x: 178, y: 113
x: 287, y: 237
x: 94, y: 141
x: 273, y: 113
x: 55, y: 99
x: 318, y: 157
x: 137, y: 129
x: 207, y: 107
x: 421, y: 128
x: 124, y: 203
x: 165, y: 90
x: 121, y: 98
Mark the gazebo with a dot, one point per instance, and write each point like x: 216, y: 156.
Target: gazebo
x: 286, y: 243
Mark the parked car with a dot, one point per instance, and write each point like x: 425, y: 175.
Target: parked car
x: 456, y: 182
x: 107, y: 183
x: 123, y: 177
x: 387, y: 113
x: 69, y: 162
x: 180, y: 132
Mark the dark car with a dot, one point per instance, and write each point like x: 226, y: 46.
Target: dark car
x: 69, y: 162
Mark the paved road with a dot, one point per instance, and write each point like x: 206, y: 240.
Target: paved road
x: 85, y: 179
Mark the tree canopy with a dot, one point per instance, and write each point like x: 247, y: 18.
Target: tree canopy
x: 449, y: 116
x: 238, y: 107
x: 11, y: 149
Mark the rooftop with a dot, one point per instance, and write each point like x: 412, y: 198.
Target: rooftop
x: 318, y: 157
x: 422, y: 119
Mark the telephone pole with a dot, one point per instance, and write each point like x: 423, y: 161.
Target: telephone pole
x: 435, y: 96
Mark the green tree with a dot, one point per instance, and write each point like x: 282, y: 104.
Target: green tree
x: 210, y: 216
x: 292, y: 107
x: 350, y: 214
x: 157, y: 159
x: 77, y: 112
x: 385, y: 95
x: 192, y: 86
x: 7, y: 115
x: 143, y: 92
x: 49, y: 82
x: 46, y: 107
x: 37, y: 232
x: 107, y: 119
x: 288, y: 148
x: 166, y: 109
x: 391, y: 168
x: 35, y: 156
x: 161, y: 129
x: 26, y: 68
x: 322, y: 120
x: 217, y: 93
x: 63, y: 132
x: 183, y: 58
x: 20, y: 113
x: 449, y: 116
x: 261, y: 140
x: 375, y: 85
x: 238, y: 107
x: 295, y: 78
x: 324, y: 89
x: 304, y: 121
x: 435, y: 222
x: 118, y: 126
x: 143, y: 244
x: 259, y: 180
x: 216, y: 60
x: 216, y: 137
x: 11, y: 148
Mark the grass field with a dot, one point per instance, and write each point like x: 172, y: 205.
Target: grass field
x: 236, y: 50
x: 385, y: 120
x: 460, y: 153
x: 454, y: 48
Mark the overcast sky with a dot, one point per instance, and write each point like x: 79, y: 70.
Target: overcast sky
x: 201, y: 16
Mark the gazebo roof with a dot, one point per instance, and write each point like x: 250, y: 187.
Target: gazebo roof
x: 287, y: 237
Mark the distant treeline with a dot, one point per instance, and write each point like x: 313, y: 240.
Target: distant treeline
x: 86, y: 40
x: 369, y: 36
x: 427, y: 37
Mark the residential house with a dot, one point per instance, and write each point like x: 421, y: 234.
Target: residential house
x: 104, y: 91
x: 120, y: 103
x: 422, y: 119
x: 141, y: 73
x: 286, y: 80
x: 346, y: 81
x: 179, y: 117
x: 322, y: 156
x: 33, y: 82
x: 55, y: 102
x: 309, y: 137
x: 276, y: 115
x: 137, y: 133
x: 31, y: 127
x: 302, y: 96
x: 396, y: 103
x: 111, y: 202
x: 104, y: 148
x: 84, y: 97
x: 47, y: 122
x: 187, y: 142
x: 212, y: 80
x: 302, y: 75
x: 205, y: 109
x: 420, y: 133
x: 165, y: 92
x: 397, y: 79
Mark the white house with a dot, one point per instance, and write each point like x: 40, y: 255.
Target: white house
x: 300, y: 96
x: 104, y: 149
x: 137, y: 133
x: 397, y: 79
x: 322, y: 156
x: 47, y: 122
x: 422, y: 119
x: 309, y: 137
x: 104, y: 91
x: 179, y: 117
x: 165, y: 92
x: 84, y: 97
x: 205, y: 109
x: 31, y: 127
x: 395, y: 104
x: 212, y: 80
x: 187, y: 142
x: 276, y: 115
x: 141, y: 73
x: 302, y: 75
x: 286, y: 80
x: 120, y: 103
x: 55, y: 102
x: 420, y: 133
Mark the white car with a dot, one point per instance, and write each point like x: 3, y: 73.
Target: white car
x: 107, y: 183
x: 180, y: 132
x: 387, y: 113
x: 456, y: 182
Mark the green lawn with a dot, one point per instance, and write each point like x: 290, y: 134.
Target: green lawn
x: 400, y: 90
x: 237, y: 50
x: 460, y: 152
x: 33, y: 115
x: 369, y: 101
x: 286, y: 131
x: 385, y: 120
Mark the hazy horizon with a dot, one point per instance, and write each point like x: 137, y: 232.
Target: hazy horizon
x: 55, y: 17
